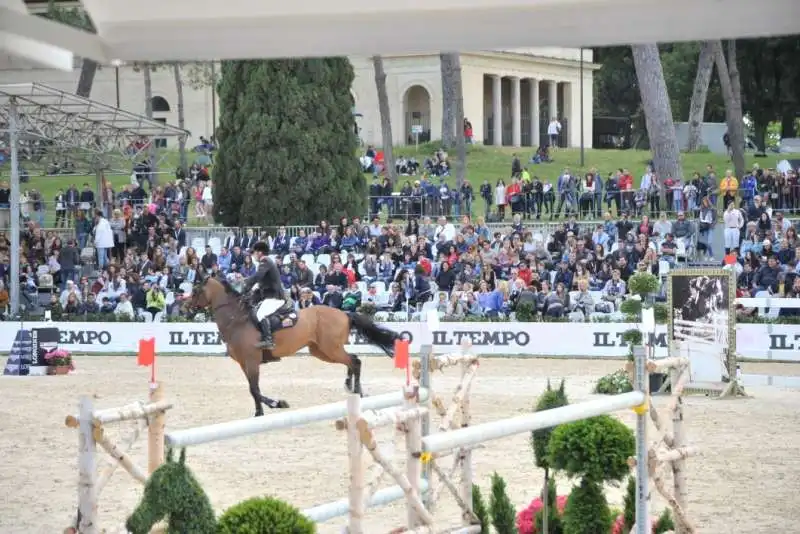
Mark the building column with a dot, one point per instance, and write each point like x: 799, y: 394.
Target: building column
x: 571, y: 115
x: 516, y: 112
x: 534, y: 111
x: 552, y: 99
x: 497, y: 110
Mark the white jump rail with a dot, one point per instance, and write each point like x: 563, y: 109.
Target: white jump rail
x: 278, y: 421
x: 474, y: 435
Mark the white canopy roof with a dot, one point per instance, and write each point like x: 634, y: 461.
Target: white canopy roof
x: 183, y: 30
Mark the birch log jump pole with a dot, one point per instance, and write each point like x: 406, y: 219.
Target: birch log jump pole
x: 92, y: 431
x: 669, y: 451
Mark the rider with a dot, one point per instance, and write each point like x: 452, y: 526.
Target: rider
x: 265, y: 293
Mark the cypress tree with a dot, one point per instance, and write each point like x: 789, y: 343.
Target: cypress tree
x: 287, y: 143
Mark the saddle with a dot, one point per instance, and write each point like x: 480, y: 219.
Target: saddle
x: 284, y: 318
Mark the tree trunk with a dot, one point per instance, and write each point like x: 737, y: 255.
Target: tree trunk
x: 760, y: 134
x: 448, y: 102
x: 86, y: 80
x: 184, y: 162
x: 461, y: 141
x: 658, y: 113
x: 697, y: 108
x: 788, y: 129
x: 386, y: 118
x: 731, y: 94
x: 148, y: 111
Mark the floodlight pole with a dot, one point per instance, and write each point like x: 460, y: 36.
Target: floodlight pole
x: 14, y: 200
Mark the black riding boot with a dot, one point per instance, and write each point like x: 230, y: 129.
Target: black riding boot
x: 266, y: 335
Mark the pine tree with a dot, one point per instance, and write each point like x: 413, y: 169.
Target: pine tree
x: 287, y: 143
x: 479, y: 509
x: 504, y: 517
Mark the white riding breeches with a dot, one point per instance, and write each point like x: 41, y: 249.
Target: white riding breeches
x: 268, y: 307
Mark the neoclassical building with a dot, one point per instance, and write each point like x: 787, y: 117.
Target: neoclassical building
x: 509, y: 96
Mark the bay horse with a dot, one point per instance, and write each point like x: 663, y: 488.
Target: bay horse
x: 324, y: 330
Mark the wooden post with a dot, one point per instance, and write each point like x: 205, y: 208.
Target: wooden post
x: 354, y: 450
x: 413, y: 429
x: 468, y: 370
x: 87, y: 492
x: 679, y: 377
x: 155, y: 430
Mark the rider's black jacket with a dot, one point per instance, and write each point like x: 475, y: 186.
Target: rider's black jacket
x: 268, y: 278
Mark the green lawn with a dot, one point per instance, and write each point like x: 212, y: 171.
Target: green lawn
x: 483, y: 163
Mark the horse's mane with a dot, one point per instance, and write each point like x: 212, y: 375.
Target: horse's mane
x: 229, y: 289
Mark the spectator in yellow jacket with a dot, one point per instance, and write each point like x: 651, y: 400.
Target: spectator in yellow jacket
x: 156, y: 302
x: 728, y: 186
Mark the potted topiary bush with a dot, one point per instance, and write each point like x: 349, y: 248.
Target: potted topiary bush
x: 547, y: 512
x: 264, y: 515
x: 596, y: 450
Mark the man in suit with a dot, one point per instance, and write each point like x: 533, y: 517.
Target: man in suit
x: 144, y: 265
x: 265, y: 293
x: 248, y: 240
x: 231, y: 240
x: 180, y: 234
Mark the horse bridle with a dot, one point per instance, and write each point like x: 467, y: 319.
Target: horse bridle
x: 214, y: 308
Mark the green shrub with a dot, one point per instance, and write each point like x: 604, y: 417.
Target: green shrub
x: 597, y: 449
x: 664, y: 523
x: 631, y: 308
x: 525, y: 312
x: 264, y: 515
x: 480, y: 510
x: 614, y: 384
x: 630, y: 504
x: 504, y: 516
x: 587, y: 511
x: 661, y: 312
x: 549, y: 399
x: 643, y: 284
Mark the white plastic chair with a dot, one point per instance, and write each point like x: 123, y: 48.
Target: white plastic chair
x: 680, y: 250
x: 199, y: 245
x: 216, y: 245
x: 324, y: 259
x: 169, y: 298
x: 308, y: 258
x: 382, y: 316
x: 663, y: 268
x: 362, y: 286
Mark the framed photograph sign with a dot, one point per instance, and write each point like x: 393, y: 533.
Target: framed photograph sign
x: 702, y: 309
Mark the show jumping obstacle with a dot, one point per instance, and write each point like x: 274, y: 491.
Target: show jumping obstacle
x: 413, y: 421
x: 91, y: 425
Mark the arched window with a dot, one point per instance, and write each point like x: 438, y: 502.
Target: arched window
x: 160, y: 104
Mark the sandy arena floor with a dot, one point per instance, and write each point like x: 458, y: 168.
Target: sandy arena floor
x: 748, y: 481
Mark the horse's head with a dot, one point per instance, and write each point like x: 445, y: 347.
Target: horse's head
x: 201, y: 295
x: 172, y: 492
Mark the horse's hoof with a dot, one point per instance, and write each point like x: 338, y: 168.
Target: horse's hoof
x: 283, y: 404
x: 261, y: 414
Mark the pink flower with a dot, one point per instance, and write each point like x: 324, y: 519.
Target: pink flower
x: 526, y: 518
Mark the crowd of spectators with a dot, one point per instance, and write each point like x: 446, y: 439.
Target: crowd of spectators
x: 131, y: 258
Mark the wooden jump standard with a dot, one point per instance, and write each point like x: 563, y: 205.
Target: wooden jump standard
x: 92, y: 433
x: 413, y: 421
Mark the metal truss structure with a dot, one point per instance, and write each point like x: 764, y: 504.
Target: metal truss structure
x: 53, y: 124
x: 38, y: 122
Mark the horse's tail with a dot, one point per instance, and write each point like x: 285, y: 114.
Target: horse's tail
x: 375, y: 334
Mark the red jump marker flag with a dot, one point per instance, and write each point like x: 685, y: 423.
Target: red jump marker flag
x: 401, y: 358
x: 147, y: 355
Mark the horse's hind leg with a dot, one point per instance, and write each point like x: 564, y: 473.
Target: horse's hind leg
x: 353, y: 381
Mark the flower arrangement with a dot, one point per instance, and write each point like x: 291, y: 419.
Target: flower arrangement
x: 526, y: 518
x: 59, y: 358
